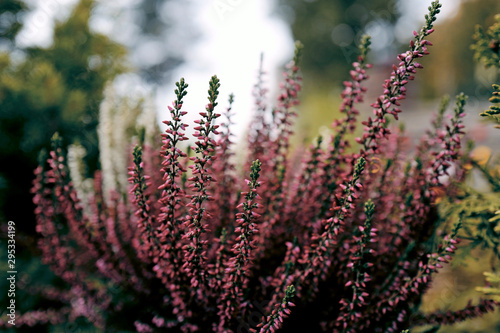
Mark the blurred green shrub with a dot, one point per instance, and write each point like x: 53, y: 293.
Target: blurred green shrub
x: 9, y: 23
x: 479, y: 206
x: 43, y: 90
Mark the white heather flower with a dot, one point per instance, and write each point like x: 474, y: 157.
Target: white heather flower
x: 119, y: 120
x: 124, y: 119
x: 77, y: 169
x: 147, y: 120
x: 104, y: 132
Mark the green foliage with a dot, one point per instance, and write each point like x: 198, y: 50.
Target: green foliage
x: 453, y: 55
x: 490, y: 57
x: 487, y: 45
x: 364, y: 45
x: 58, y: 88
x: 431, y: 17
x: 487, y: 51
x: 494, y: 289
x: 55, y: 89
x: 9, y: 22
x: 316, y: 103
x: 479, y: 209
x: 476, y: 208
x: 493, y: 112
x: 315, y: 22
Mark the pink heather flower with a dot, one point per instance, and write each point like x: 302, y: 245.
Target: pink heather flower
x: 202, y: 246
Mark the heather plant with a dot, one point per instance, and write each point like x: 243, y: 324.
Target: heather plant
x: 480, y: 209
x: 43, y: 90
x: 487, y: 44
x: 348, y: 241
x: 487, y: 51
x: 493, y: 290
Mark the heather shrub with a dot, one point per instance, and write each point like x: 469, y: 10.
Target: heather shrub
x: 479, y: 208
x: 346, y: 241
x: 487, y: 45
x: 45, y: 90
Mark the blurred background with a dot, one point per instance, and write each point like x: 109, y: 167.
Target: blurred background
x: 58, y: 56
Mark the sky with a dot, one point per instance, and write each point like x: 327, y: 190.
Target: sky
x: 233, y: 35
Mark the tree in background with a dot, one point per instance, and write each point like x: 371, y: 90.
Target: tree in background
x: 54, y: 89
x: 162, y: 28
x: 9, y: 21
x: 331, y: 29
x: 454, y: 56
x: 477, y: 204
x: 59, y: 88
x: 487, y: 50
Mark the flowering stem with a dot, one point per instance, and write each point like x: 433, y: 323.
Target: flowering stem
x: 351, y: 309
x: 146, y: 221
x: 282, y: 121
x: 394, y: 87
x: 274, y: 321
x: 238, y: 266
x: 223, y: 205
x: 195, y: 250
x: 352, y: 94
x: 315, y: 258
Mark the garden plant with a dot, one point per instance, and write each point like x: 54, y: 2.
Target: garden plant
x: 347, y: 240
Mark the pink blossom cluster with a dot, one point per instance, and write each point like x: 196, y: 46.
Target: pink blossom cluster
x: 339, y: 244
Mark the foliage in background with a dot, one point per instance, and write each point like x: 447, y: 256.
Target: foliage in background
x: 43, y: 90
x: 477, y: 202
x: 166, y: 34
x: 332, y: 29
x: 208, y: 250
x: 478, y: 208
x: 494, y: 289
x: 487, y: 45
x: 317, y: 23
x: 487, y: 49
x: 454, y: 56
x: 10, y: 22
x: 47, y: 90
x: 486, y: 221
x: 120, y: 119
